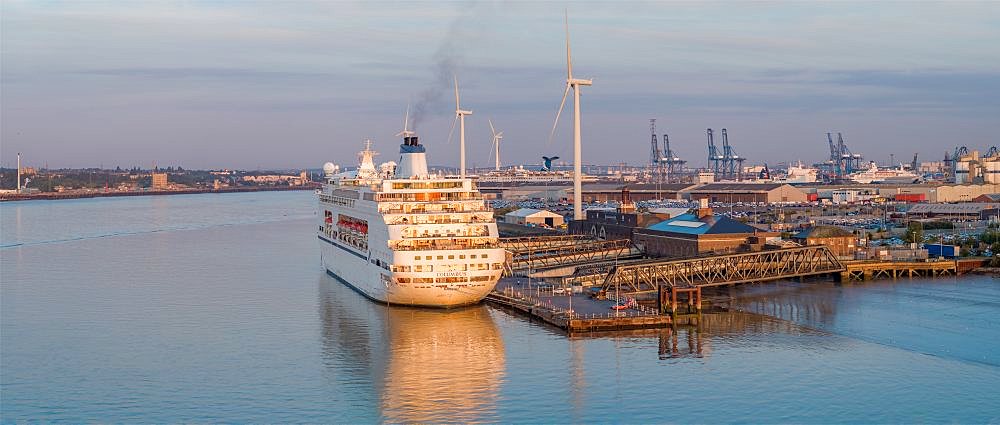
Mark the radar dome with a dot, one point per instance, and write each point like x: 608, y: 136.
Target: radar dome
x: 329, y: 168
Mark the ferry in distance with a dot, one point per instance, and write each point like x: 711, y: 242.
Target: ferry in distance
x: 874, y: 174
x: 400, y: 235
x: 799, y: 174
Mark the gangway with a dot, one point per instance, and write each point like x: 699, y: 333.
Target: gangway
x: 579, y: 253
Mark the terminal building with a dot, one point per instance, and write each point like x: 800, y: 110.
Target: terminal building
x: 698, y: 233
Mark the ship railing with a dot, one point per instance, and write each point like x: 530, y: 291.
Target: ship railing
x: 420, y: 220
x: 411, y: 197
x: 439, y: 245
x: 470, y: 234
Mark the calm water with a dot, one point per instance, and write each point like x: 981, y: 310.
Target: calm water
x: 209, y: 308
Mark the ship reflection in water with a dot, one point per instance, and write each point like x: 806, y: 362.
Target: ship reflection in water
x: 422, y: 364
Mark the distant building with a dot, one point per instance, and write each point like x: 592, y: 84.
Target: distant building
x: 962, y: 211
x: 841, y: 242
x: 988, y: 198
x: 526, y: 216
x: 698, y: 233
x: 619, y: 223
x: 298, y: 180
x: 746, y: 192
x: 160, y: 180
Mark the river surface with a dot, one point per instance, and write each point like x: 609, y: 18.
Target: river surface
x: 214, y: 308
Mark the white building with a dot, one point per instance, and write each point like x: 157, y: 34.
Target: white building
x: 526, y: 216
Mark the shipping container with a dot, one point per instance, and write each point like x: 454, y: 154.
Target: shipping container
x: 938, y: 250
x: 911, y: 197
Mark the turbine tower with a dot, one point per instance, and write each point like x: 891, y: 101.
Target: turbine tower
x: 497, y: 137
x: 575, y: 84
x: 460, y: 116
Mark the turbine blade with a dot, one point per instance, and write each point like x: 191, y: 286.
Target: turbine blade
x: 561, y: 105
x: 450, y: 132
x: 457, y: 107
x: 569, y: 60
x: 491, y: 127
x: 406, y: 118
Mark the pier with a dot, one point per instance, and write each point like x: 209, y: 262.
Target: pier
x: 573, y: 313
x: 656, y: 293
x: 869, y: 270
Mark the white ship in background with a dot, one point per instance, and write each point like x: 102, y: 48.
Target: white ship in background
x: 874, y: 174
x: 399, y: 235
x: 522, y: 176
x: 799, y: 174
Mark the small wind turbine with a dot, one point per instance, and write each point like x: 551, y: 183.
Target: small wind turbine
x: 497, y: 137
x: 575, y: 84
x: 460, y: 116
x: 406, y: 120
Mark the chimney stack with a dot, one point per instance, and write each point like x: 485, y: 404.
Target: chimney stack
x: 626, y: 205
x: 703, y: 209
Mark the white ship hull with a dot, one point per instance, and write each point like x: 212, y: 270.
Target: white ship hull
x: 368, y: 279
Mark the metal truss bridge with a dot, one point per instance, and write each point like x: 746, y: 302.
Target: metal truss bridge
x: 564, y: 251
x: 649, y: 276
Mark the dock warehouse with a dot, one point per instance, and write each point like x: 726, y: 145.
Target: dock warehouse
x: 746, y: 192
x: 526, y: 216
x: 963, y: 211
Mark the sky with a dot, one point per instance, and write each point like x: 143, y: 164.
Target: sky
x: 288, y: 84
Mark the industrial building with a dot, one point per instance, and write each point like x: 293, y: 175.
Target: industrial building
x: 529, y: 216
x: 603, y: 192
x: 698, y: 233
x: 619, y: 223
x: 906, y: 192
x: 841, y: 242
x: 963, y: 211
x: 746, y: 192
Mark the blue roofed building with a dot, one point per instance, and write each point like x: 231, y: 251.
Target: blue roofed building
x: 698, y: 233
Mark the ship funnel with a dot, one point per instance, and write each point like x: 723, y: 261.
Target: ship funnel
x: 412, y: 158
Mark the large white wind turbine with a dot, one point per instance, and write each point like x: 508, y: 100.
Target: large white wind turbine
x: 460, y: 116
x: 497, y: 137
x: 575, y: 84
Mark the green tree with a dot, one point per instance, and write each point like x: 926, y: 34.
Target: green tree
x: 914, y: 232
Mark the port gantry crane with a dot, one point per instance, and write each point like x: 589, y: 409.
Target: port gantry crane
x: 663, y: 165
x: 842, y: 161
x: 675, y: 164
x: 714, y: 159
x: 655, y: 165
x: 732, y: 161
x: 727, y: 165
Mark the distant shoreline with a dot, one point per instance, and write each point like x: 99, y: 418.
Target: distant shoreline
x: 50, y: 196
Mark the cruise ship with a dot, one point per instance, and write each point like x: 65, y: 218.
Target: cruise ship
x: 399, y: 235
x: 520, y: 176
x: 874, y: 174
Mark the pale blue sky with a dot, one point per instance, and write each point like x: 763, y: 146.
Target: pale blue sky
x: 294, y: 84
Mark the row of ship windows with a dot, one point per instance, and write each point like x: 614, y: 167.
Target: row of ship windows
x: 448, y: 267
x: 452, y: 257
x: 443, y: 279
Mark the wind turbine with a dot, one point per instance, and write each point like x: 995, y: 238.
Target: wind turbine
x: 460, y: 116
x: 406, y: 122
x: 575, y: 84
x: 497, y: 137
